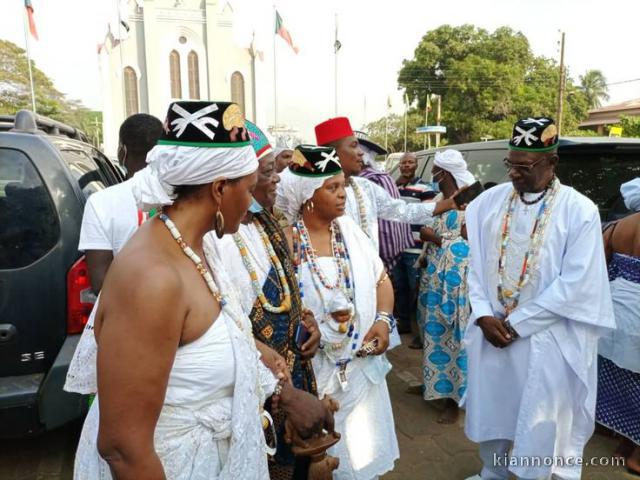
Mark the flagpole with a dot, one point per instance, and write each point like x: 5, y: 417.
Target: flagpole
x: 275, y: 78
x: 122, y: 82
x: 26, y: 39
x: 335, y: 69
x: 253, y: 76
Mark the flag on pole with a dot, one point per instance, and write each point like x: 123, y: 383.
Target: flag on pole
x: 32, y: 22
x: 283, y: 32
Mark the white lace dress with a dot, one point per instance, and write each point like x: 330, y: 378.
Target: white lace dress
x: 368, y: 447
x: 209, y: 427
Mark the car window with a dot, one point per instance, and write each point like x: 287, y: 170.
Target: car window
x: 28, y: 220
x: 86, y: 171
x: 111, y: 171
x: 487, y: 165
x: 599, y: 174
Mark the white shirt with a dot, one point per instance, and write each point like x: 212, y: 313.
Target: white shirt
x: 110, y: 218
x: 379, y: 204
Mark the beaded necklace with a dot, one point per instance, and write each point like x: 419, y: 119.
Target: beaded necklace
x: 509, y: 298
x: 285, y: 301
x: 188, y: 251
x: 304, y: 251
x: 362, y: 213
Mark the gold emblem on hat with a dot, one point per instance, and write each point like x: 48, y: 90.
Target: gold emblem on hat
x: 232, y: 117
x: 298, y: 158
x: 548, y: 134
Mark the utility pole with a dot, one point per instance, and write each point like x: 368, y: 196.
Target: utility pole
x: 426, y: 121
x: 438, y: 119
x: 561, y: 85
x: 406, y: 107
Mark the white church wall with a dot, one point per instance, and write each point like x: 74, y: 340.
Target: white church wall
x: 156, y: 30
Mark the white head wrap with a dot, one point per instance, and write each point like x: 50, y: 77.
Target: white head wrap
x: 293, y: 191
x: 169, y: 166
x: 631, y: 194
x: 369, y: 158
x: 453, y: 162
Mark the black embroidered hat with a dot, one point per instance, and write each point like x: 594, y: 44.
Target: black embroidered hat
x: 364, y: 139
x: 205, y: 124
x: 314, y: 161
x: 534, y: 134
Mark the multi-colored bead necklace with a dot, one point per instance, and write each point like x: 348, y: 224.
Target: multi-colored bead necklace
x: 362, y: 212
x: 188, y: 251
x: 285, y: 301
x: 510, y: 298
x: 266, y: 419
x: 303, y: 251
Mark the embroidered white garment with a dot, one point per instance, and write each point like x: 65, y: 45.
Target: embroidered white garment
x: 368, y: 447
x: 210, y: 425
x: 379, y: 204
x: 622, y: 345
x: 110, y: 219
x: 235, y: 266
x: 540, y: 391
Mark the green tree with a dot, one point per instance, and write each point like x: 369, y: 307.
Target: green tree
x: 594, y: 85
x: 15, y: 93
x: 393, y: 126
x: 630, y: 126
x: 487, y: 80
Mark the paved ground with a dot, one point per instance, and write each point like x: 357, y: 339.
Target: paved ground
x: 431, y: 451
x: 428, y: 450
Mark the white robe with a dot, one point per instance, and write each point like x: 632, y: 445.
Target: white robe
x: 540, y: 391
x: 378, y: 204
x: 368, y: 447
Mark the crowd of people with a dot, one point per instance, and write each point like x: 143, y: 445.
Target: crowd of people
x: 247, y: 295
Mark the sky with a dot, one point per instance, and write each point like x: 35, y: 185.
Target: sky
x: 375, y: 38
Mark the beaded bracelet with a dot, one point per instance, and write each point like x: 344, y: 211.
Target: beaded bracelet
x: 382, y: 279
x: 386, y: 318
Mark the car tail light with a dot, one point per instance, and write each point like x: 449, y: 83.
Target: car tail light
x: 80, y: 297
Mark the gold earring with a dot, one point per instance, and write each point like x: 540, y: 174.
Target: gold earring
x: 310, y: 206
x: 219, y: 224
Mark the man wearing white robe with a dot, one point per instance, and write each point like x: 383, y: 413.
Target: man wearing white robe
x: 531, y: 344
x: 366, y: 201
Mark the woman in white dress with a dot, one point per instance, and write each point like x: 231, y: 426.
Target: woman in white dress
x: 180, y: 383
x: 342, y: 280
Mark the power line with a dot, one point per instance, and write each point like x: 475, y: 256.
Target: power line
x: 623, y: 81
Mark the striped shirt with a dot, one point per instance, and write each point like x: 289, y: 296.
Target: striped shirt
x: 421, y: 191
x: 393, y: 237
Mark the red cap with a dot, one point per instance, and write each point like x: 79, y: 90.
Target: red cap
x: 332, y: 130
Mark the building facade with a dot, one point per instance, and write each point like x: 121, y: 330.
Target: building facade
x: 600, y: 119
x: 165, y: 50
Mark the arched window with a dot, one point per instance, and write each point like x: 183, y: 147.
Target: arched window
x: 174, y: 67
x: 130, y: 91
x: 237, y: 89
x: 194, y: 76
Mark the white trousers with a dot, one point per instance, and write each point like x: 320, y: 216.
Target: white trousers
x: 495, y: 463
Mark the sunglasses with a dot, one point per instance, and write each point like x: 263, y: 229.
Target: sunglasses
x: 521, y: 167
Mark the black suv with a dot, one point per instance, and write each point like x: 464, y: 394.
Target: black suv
x: 47, y: 171
x: 595, y: 166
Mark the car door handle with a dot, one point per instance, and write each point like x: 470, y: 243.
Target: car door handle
x: 7, y: 332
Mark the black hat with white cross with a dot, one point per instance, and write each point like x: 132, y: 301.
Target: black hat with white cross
x: 205, y: 124
x: 534, y: 134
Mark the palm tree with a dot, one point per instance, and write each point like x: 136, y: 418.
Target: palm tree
x: 594, y: 85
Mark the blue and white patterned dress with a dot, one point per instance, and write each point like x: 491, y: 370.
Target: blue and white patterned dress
x: 618, y: 406
x: 444, y: 310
